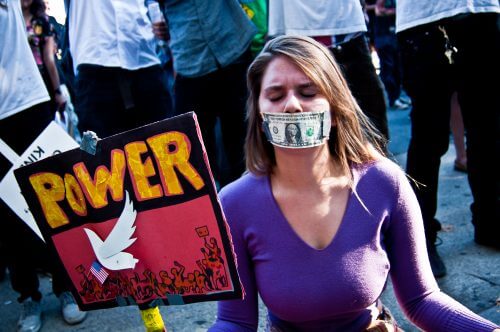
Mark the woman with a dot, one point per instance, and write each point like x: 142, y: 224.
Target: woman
x: 318, y: 230
x: 42, y: 43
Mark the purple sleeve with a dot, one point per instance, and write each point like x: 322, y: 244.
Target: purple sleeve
x: 411, y: 274
x: 238, y: 315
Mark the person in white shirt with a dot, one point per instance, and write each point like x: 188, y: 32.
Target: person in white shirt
x: 119, y: 81
x: 24, y: 113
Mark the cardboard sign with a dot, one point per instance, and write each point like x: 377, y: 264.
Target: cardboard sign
x: 51, y: 141
x: 139, y: 222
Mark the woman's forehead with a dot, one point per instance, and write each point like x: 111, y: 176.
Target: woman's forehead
x: 282, y: 70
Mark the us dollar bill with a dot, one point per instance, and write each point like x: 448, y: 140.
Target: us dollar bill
x: 297, y: 130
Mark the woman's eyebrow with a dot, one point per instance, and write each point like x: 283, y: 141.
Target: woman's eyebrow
x: 273, y: 88
x: 307, y: 85
x: 279, y: 87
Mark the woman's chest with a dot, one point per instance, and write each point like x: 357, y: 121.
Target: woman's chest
x: 298, y: 284
x: 315, y: 219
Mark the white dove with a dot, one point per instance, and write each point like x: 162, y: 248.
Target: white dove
x: 110, y: 251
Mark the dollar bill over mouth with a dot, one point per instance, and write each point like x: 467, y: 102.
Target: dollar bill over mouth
x: 297, y: 130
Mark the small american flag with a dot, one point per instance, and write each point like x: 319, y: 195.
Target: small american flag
x: 99, y: 272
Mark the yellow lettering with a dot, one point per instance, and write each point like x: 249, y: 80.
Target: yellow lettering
x: 95, y: 188
x: 49, y: 188
x: 140, y: 172
x: 74, y: 195
x: 173, y: 149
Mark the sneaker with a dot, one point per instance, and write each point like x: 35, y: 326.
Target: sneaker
x: 70, y: 310
x: 437, y: 264
x: 399, y: 105
x: 31, y: 317
x: 405, y: 100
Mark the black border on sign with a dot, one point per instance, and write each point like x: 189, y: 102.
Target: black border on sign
x: 63, y: 163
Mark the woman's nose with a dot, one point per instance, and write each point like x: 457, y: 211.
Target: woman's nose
x: 293, y: 105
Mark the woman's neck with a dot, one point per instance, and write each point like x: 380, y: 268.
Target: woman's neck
x: 27, y: 15
x: 303, y: 169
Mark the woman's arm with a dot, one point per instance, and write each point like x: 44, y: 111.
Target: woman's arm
x: 415, y: 287
x: 50, y: 65
x: 239, y: 315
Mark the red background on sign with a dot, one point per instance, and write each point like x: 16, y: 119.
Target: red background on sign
x: 164, y: 235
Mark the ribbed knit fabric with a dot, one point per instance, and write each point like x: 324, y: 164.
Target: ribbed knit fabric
x: 334, y: 289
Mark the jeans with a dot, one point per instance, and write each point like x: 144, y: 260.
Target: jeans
x: 390, y: 66
x: 430, y: 79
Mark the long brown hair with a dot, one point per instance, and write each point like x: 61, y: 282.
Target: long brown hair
x: 38, y: 8
x: 353, y: 139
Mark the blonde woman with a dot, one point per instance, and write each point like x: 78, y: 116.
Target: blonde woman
x: 318, y: 229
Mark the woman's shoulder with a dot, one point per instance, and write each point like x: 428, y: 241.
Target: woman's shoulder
x: 41, y: 19
x: 380, y: 183
x: 244, y: 196
x: 42, y: 22
x: 382, y: 169
x: 247, y: 184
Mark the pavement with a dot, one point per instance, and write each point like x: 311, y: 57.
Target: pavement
x: 473, y: 271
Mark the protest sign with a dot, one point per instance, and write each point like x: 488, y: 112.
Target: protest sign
x: 139, y: 222
x: 52, y: 140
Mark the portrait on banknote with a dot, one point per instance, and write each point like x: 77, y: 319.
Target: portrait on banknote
x: 292, y: 133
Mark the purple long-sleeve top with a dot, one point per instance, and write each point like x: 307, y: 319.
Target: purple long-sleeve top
x: 336, y: 288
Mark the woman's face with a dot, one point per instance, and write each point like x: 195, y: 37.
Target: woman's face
x: 26, y: 3
x: 285, y: 88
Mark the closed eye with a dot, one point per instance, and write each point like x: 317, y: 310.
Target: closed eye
x: 274, y: 93
x: 275, y: 97
x: 308, y: 90
x: 308, y: 94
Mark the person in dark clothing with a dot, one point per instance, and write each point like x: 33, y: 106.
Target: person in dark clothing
x: 457, y: 50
